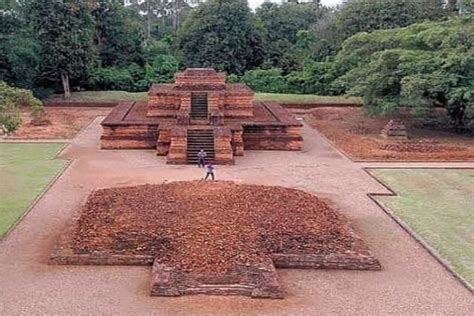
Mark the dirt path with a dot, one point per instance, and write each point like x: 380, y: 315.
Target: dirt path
x: 411, y: 282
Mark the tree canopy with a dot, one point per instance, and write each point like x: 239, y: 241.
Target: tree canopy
x: 415, y: 53
x: 222, y: 34
x: 421, y: 66
x: 64, y: 30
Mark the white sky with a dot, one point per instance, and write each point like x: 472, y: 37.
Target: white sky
x: 255, y: 3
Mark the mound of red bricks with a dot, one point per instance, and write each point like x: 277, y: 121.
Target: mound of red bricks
x: 212, y: 237
x: 209, y: 226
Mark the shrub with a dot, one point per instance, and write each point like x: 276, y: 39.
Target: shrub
x: 113, y: 78
x: 11, y: 99
x: 266, y: 80
x: 162, y: 69
x: 232, y: 78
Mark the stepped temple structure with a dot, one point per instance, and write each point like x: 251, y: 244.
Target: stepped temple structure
x: 201, y: 111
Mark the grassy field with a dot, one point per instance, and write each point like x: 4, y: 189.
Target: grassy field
x: 439, y: 206
x: 25, y: 172
x: 115, y: 96
x: 307, y: 99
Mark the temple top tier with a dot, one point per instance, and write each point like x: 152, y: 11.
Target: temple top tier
x: 200, y: 78
x: 200, y: 92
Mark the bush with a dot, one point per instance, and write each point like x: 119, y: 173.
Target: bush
x: 232, y: 78
x: 315, y: 78
x: 162, y: 69
x: 113, y: 78
x: 10, y: 116
x: 266, y: 80
x: 11, y: 99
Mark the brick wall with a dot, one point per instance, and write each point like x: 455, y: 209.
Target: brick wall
x: 222, y: 146
x: 130, y: 136
x: 177, y: 153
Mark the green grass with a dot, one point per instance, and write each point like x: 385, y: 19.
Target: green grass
x: 102, y: 96
x: 439, y: 206
x: 307, y: 98
x: 115, y: 96
x: 25, y: 171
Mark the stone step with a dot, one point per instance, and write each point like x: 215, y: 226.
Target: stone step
x: 201, y: 142
x: 201, y: 134
x: 197, y: 149
x: 200, y: 139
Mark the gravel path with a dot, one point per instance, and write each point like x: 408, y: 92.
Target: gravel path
x: 411, y: 281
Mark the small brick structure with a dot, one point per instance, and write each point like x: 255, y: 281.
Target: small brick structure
x: 395, y: 129
x: 200, y: 97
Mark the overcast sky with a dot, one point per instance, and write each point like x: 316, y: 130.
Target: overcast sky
x: 255, y: 3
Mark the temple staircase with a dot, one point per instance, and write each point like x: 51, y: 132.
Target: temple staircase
x: 199, y: 109
x: 200, y: 139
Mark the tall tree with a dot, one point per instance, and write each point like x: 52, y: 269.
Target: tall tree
x: 161, y: 13
x: 282, y: 23
x: 19, y: 50
x: 65, y: 31
x: 221, y: 34
x: 118, y: 35
x: 421, y: 66
x: 368, y: 15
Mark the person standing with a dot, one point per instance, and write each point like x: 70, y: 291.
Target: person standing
x: 209, y: 171
x: 201, y: 158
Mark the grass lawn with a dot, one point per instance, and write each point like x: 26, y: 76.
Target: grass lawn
x: 307, y: 98
x: 115, y: 96
x: 439, y: 206
x: 25, y: 171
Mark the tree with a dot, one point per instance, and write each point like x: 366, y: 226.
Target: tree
x: 368, y: 15
x: 425, y: 65
x: 222, y: 34
x: 19, y: 50
x: 65, y: 31
x: 282, y: 24
x: 465, y: 7
x: 118, y: 35
x: 165, y: 14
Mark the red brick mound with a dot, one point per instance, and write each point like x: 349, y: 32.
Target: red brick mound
x: 216, y: 238
x: 209, y: 226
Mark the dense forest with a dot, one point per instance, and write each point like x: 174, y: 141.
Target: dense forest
x: 417, y: 53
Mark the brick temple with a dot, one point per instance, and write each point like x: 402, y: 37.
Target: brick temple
x: 200, y: 110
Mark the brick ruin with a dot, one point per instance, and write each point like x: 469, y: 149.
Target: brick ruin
x: 226, y: 246
x: 201, y: 110
x: 395, y: 129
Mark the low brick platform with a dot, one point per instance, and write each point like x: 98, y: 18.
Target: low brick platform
x: 271, y: 128
x: 256, y: 281
x: 201, y: 98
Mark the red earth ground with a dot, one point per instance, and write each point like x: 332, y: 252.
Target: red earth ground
x: 358, y: 136
x: 60, y: 122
